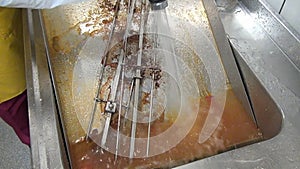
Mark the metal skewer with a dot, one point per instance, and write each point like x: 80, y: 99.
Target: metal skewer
x: 128, y: 102
x: 111, y: 105
x: 121, y: 98
x: 97, y: 99
x: 119, y: 113
x: 118, y: 84
x: 151, y: 102
x: 151, y: 110
x: 137, y: 81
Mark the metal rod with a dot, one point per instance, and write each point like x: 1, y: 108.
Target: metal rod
x: 128, y: 102
x: 151, y: 92
x: 120, y: 111
x: 151, y: 108
x: 137, y: 82
x: 117, y: 6
x: 115, y: 82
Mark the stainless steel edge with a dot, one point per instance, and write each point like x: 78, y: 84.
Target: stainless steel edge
x: 283, y: 35
x: 262, y: 40
x: 268, y: 114
x: 57, y: 101
x: 46, y: 143
x: 279, y: 77
x: 223, y: 47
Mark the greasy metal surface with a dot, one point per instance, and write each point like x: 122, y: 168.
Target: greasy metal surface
x: 70, y: 19
x: 279, y: 152
x: 258, y: 50
x: 268, y: 115
x: 47, y: 149
x: 226, y: 55
x: 67, y: 39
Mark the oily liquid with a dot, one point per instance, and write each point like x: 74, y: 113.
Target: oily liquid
x: 236, y: 128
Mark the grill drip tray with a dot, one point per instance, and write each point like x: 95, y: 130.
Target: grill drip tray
x: 75, y: 44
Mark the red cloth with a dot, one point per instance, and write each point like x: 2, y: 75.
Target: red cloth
x: 15, y: 113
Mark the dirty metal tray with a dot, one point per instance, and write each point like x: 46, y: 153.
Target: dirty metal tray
x: 59, y: 33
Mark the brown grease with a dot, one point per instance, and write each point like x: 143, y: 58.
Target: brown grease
x: 235, y: 128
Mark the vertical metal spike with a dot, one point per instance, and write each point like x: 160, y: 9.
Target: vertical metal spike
x: 128, y: 102
x: 151, y: 109
x: 119, y: 112
x: 96, y: 99
x: 137, y: 82
x: 116, y: 80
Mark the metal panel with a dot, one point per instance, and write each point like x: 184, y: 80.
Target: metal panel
x: 280, y: 32
x: 258, y: 50
x: 226, y: 55
x: 46, y: 143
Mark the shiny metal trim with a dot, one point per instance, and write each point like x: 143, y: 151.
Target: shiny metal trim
x: 57, y: 101
x: 269, y: 116
x: 279, y: 30
x: 223, y: 47
x: 47, y: 148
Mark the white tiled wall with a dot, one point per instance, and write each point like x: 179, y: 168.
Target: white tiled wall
x: 290, y: 11
x: 276, y: 4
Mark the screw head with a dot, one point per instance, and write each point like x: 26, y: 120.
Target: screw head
x: 111, y: 106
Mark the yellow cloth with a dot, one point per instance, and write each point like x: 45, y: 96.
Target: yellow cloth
x: 12, y: 66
